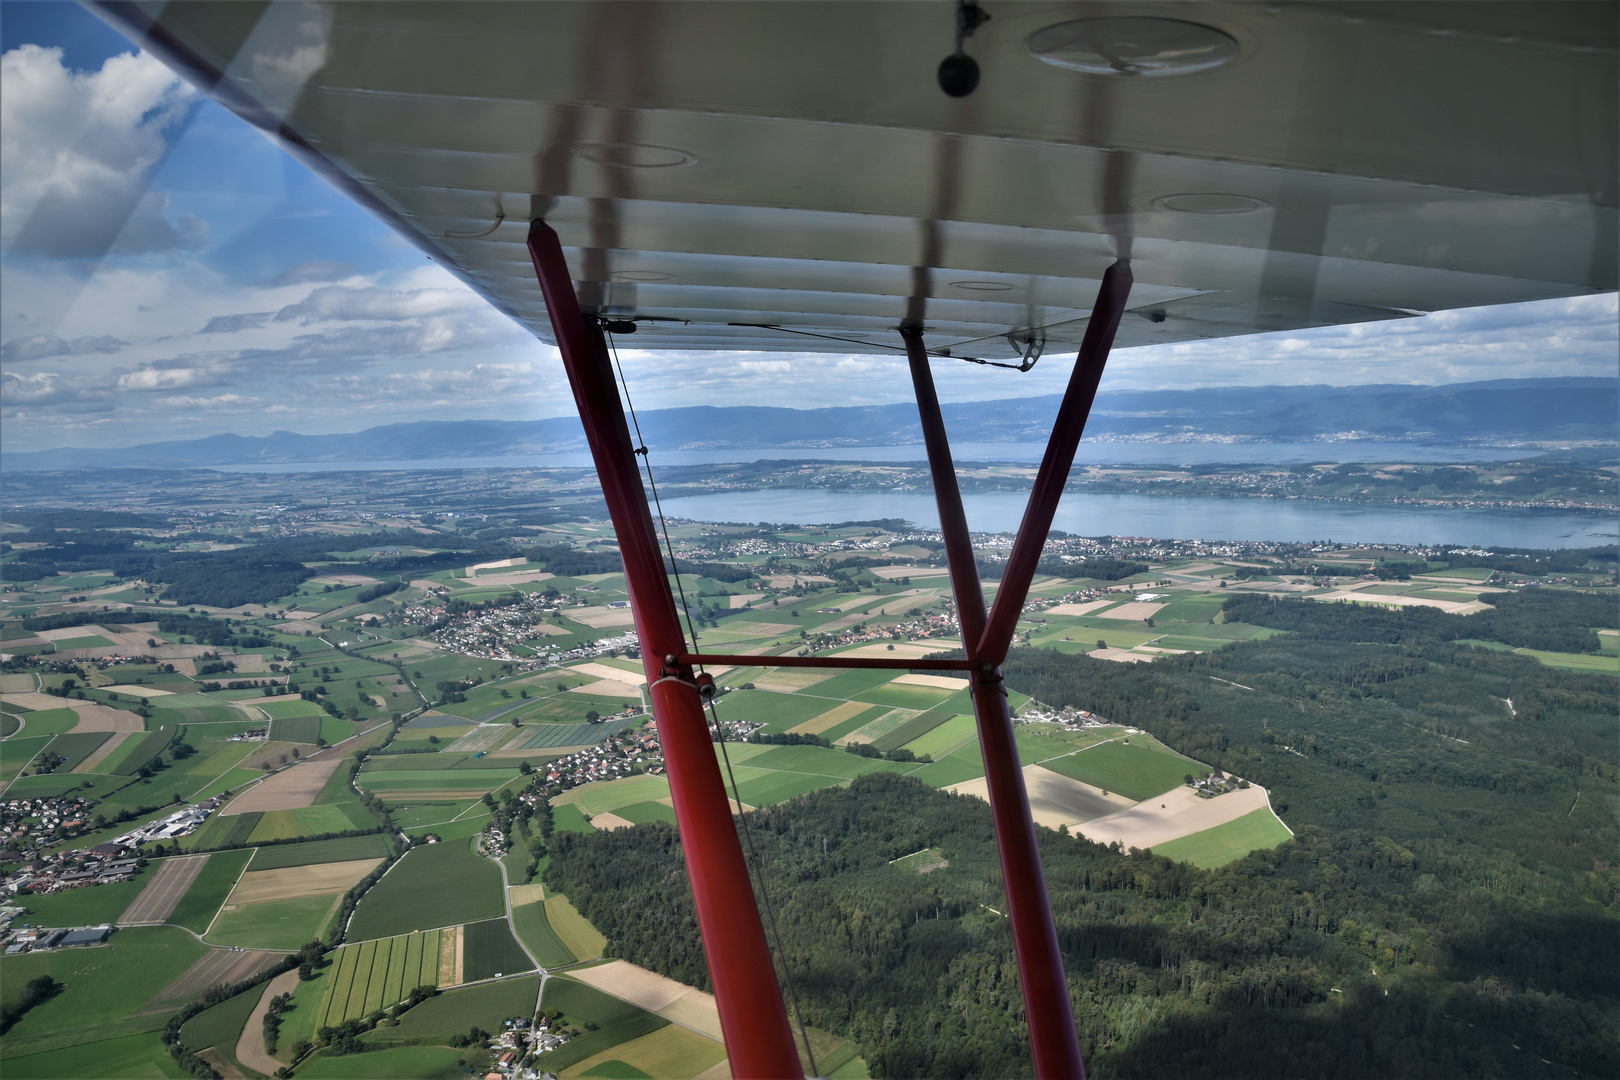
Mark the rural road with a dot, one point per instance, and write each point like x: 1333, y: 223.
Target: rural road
x: 506, y: 898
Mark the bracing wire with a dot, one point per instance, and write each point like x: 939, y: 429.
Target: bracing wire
x: 720, y: 733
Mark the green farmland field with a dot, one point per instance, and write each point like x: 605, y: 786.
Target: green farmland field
x: 92, y: 641
x: 137, y: 751
x: 434, y: 885
x: 76, y: 747
x: 304, y: 821
x: 343, y: 849
x: 221, y: 831
x: 643, y: 812
x: 618, y: 1021
x: 276, y: 924
x: 944, y: 738
x: 1254, y: 831
x: 535, y: 930
x: 900, y: 696
x: 99, y: 985
x: 376, y: 974
x: 847, y: 685
x: 1607, y: 664
x: 86, y: 907
x: 222, y: 1024
x: 919, y: 726
x: 578, y: 936
x: 777, y: 712
x: 545, y: 736
x: 291, y: 710
x: 303, y: 729
x: 569, y: 818
x: 15, y: 753
x: 50, y: 722
x: 453, y: 1012
x: 208, y: 891
x: 489, y: 950
x: 419, y: 1062
x: 142, y: 1055
x: 1139, y: 769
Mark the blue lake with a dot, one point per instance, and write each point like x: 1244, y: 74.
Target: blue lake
x: 1090, y: 453
x: 1173, y: 517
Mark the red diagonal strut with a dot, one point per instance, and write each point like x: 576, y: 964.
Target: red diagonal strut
x: 1055, y: 465
x: 1040, y: 963
x: 985, y: 640
x: 752, y: 1017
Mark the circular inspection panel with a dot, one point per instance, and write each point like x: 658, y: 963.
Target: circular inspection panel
x: 1210, y: 202
x: 1133, y: 45
x: 633, y: 155
x: 644, y: 276
x: 983, y: 286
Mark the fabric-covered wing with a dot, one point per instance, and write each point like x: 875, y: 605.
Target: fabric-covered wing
x: 726, y: 173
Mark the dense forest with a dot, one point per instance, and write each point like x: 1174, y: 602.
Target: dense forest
x: 1448, y: 906
x: 1556, y: 620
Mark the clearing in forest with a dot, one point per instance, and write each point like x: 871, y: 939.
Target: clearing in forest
x: 1172, y: 815
x: 1054, y: 800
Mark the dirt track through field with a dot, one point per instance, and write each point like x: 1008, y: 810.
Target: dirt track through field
x: 290, y: 789
x: 217, y: 967
x: 102, y: 752
x: 295, y: 882
x: 163, y: 892
x: 250, y: 1047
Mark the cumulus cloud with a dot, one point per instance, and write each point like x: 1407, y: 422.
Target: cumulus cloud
x: 233, y: 324
x: 43, y: 346
x: 211, y: 404
x: 309, y: 273
x: 338, y: 303
x: 77, y: 149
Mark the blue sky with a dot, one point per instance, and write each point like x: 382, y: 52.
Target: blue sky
x: 169, y: 272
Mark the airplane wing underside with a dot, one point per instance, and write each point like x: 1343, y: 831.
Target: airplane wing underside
x: 789, y: 176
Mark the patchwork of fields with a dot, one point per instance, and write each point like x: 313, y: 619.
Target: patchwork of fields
x: 261, y: 882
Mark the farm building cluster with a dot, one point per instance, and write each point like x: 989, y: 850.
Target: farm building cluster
x: 182, y: 822
x: 63, y: 870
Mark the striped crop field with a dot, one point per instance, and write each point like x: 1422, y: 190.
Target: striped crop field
x: 379, y: 978
x: 396, y: 972
x: 541, y: 736
x: 374, y: 975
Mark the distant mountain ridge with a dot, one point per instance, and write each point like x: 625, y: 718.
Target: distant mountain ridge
x: 1503, y: 410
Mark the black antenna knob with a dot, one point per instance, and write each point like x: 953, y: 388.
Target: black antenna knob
x: 958, y: 75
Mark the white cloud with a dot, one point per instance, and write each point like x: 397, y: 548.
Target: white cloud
x: 219, y: 401
x: 76, y: 152
x: 337, y: 303
x: 41, y: 346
